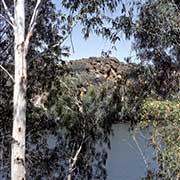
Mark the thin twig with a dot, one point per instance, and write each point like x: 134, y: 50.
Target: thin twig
x: 8, y: 12
x: 72, y: 45
x: 3, y: 30
x: 7, y: 73
x: 9, y: 22
x: 6, y: 48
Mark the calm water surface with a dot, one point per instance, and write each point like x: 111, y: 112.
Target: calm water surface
x: 129, y: 158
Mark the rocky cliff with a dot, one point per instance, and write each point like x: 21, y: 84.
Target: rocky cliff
x: 98, y: 69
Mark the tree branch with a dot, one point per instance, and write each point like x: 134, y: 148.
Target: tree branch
x: 7, y: 73
x: 35, y: 13
x: 76, y: 155
x: 9, y: 22
x: 54, y: 45
x: 8, y: 12
x: 72, y: 45
x: 7, y: 48
x: 74, y: 161
x: 32, y: 25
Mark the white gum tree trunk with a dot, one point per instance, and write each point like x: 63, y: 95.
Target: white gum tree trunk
x: 21, y: 44
x: 19, y: 97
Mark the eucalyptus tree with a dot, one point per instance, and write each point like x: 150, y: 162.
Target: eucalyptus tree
x: 108, y: 19
x: 158, y: 31
x: 21, y: 26
x: 21, y: 45
x: 39, y: 32
x: 157, y: 40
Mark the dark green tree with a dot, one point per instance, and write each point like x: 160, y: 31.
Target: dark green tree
x: 157, y: 40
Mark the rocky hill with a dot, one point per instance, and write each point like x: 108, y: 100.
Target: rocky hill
x: 98, y: 69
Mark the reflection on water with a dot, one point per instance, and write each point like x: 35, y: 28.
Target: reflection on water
x: 129, y: 158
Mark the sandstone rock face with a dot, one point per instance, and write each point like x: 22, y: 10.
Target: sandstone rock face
x: 101, y: 69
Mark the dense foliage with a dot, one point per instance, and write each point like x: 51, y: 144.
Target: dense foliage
x: 45, y: 53
x: 106, y: 18
x: 68, y: 118
x: 157, y: 40
x: 77, y: 125
x: 157, y: 35
x: 164, y: 117
x: 50, y: 32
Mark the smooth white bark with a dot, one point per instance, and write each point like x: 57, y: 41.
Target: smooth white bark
x: 18, y: 171
x: 19, y: 97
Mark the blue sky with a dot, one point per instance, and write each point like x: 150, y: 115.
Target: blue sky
x: 94, y: 45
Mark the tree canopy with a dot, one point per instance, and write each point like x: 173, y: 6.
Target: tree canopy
x: 69, y: 119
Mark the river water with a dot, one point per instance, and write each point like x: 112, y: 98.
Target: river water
x: 129, y: 157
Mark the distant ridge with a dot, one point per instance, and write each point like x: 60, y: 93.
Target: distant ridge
x: 100, y: 68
